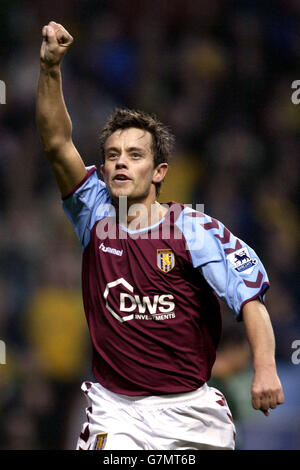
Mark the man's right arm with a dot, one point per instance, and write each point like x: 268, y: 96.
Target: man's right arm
x: 53, y: 121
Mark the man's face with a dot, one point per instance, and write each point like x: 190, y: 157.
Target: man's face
x: 129, y: 165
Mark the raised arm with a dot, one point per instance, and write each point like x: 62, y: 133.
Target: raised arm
x: 266, y: 387
x: 53, y: 121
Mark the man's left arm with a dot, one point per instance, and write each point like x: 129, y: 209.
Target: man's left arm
x: 235, y: 272
x: 266, y: 387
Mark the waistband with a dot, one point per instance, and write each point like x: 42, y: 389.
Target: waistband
x: 91, y: 388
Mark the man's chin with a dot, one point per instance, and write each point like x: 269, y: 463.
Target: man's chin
x: 115, y: 194
x: 131, y: 198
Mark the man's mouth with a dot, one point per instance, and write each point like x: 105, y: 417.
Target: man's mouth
x: 121, y: 178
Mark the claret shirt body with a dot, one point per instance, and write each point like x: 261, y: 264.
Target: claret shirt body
x: 151, y: 295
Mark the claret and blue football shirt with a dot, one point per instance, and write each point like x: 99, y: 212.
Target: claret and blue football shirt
x: 151, y: 295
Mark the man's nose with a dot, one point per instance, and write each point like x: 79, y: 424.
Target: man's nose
x: 122, y: 161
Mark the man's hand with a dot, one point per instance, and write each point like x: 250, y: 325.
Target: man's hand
x: 266, y: 390
x: 56, y: 41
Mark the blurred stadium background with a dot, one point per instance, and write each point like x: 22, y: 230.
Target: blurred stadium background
x: 220, y: 74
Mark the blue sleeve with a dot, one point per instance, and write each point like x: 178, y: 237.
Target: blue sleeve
x: 88, y: 202
x: 229, y: 265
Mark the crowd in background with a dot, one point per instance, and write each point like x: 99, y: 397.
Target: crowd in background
x: 219, y: 73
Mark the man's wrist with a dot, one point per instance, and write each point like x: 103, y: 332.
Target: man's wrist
x: 264, y: 363
x: 49, y: 69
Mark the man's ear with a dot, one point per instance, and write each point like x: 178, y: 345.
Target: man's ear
x: 102, y: 169
x: 160, y: 172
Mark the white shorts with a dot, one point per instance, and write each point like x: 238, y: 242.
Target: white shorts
x: 193, y: 420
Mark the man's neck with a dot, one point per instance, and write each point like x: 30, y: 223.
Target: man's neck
x: 139, y: 215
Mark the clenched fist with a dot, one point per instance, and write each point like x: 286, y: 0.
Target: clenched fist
x: 56, y: 41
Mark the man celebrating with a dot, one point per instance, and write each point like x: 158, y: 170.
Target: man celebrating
x: 150, y: 277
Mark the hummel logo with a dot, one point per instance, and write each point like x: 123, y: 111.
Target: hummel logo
x: 112, y: 251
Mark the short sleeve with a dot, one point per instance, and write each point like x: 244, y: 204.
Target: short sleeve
x: 230, y: 266
x: 88, y: 202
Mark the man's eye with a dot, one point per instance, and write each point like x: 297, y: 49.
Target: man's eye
x: 112, y: 156
x: 135, y: 155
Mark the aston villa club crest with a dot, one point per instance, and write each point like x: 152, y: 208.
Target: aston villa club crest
x: 165, y: 260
